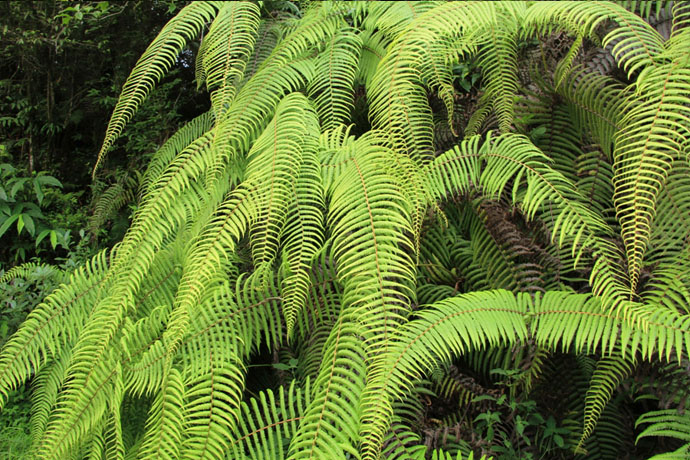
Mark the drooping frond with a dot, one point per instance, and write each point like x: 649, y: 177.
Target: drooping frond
x: 438, y: 334
x: 212, y: 403
x: 393, y: 18
x: 370, y: 223
x: 29, y: 270
x: 172, y: 147
x: 226, y: 50
x: 329, y: 425
x: 274, y: 165
x: 339, y: 265
x: 610, y: 372
x: 332, y: 87
x: 635, y: 43
x: 165, y: 424
x: 320, y: 313
x: 398, y: 103
x: 369, y: 218
x: 598, y: 103
x: 268, y: 36
x: 302, y: 235
x: 655, y: 129
x: 557, y: 320
x: 156, y: 60
x: 498, y: 60
x: 46, y: 387
x: 373, y: 50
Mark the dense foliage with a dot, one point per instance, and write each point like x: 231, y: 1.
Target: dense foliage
x: 403, y: 230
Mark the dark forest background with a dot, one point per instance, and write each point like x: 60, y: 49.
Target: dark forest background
x: 62, y: 66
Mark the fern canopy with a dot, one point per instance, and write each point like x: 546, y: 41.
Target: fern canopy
x: 386, y: 203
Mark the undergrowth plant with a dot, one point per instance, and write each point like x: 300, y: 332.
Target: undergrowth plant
x: 462, y: 243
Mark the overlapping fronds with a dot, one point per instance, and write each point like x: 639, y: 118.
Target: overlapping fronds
x: 226, y: 51
x: 52, y: 326
x: 655, y: 129
x: 330, y: 421
x: 172, y: 147
x: 302, y: 235
x: 498, y: 61
x: 346, y: 262
x: 408, y: 118
x: 268, y: 420
x: 635, y: 43
x: 610, y: 372
x: 598, y: 103
x: 332, y: 86
x: 556, y: 320
x: 669, y: 423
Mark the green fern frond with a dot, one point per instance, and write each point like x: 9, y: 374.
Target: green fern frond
x: 228, y: 45
x: 402, y: 443
x: 393, y: 18
x: 302, y: 235
x: 669, y: 423
x: 165, y: 424
x: 610, y: 372
x: 329, y: 425
x: 268, y: 420
x: 152, y: 65
x: 274, y: 164
x: 635, y: 43
x: 498, y: 60
x: 46, y: 386
x: 211, y: 409
x: 654, y: 132
x: 268, y: 36
x: 398, y: 103
x: 598, y: 103
x: 52, y: 326
x: 332, y: 87
x: 270, y: 231
x: 29, y: 270
x: 320, y: 313
x: 172, y: 147
x: 373, y: 49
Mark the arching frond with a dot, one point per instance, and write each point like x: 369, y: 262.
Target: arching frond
x: 165, y: 423
x: 498, y: 60
x: 156, y: 60
x: 226, y: 50
x: 340, y: 264
x: 302, y: 235
x: 670, y: 423
x: 329, y: 425
x: 635, y: 43
x: 398, y: 104
x: 172, y: 147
